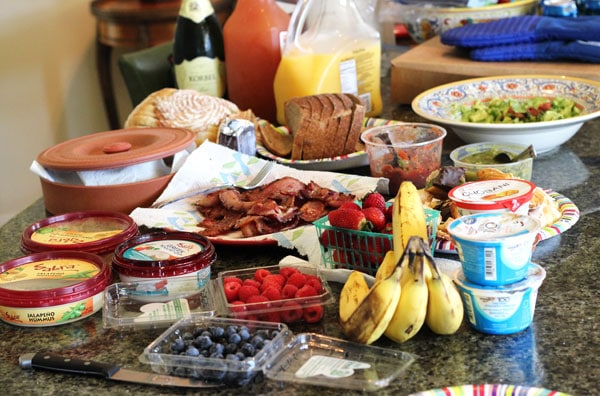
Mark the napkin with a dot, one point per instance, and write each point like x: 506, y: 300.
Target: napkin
x: 586, y: 51
x: 213, y: 164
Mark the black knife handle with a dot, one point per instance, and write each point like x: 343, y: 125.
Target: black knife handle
x: 65, y: 364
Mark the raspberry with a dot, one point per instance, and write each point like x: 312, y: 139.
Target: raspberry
x: 288, y: 291
x: 231, y: 290
x: 272, y: 293
x: 238, y: 308
x: 235, y: 279
x: 315, y: 282
x: 245, y: 292
x: 297, y: 279
x: 286, y: 272
x: 312, y: 314
x: 270, y: 317
x: 306, y: 291
x: 251, y: 282
x: 257, y: 302
x: 292, y: 312
x: 277, y: 278
x: 260, y: 274
x: 267, y: 284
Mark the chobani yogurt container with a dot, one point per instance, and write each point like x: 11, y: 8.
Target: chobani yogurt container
x: 182, y: 258
x: 497, y: 196
x: 501, y: 309
x: 494, y: 248
x: 52, y: 288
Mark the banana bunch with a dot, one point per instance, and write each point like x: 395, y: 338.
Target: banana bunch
x: 409, y: 289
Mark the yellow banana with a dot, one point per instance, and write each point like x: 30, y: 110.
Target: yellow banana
x: 354, y: 291
x: 372, y: 315
x: 445, y: 310
x: 411, y: 310
x: 387, y: 266
x: 408, y: 217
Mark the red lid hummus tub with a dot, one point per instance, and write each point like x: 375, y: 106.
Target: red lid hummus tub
x: 501, y: 195
x: 165, y: 256
x: 98, y: 232
x: 52, y: 288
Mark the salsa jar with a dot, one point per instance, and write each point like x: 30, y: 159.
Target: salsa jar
x: 52, y: 288
x: 98, y: 232
x: 183, y: 257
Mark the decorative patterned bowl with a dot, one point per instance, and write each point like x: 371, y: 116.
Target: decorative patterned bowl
x: 430, y: 18
x: 438, y: 105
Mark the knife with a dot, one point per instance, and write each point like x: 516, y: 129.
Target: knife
x: 105, y: 370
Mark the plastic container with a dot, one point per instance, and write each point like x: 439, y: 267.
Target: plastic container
x: 494, y: 249
x: 505, y: 309
x: 493, y: 196
x: 362, y: 250
x: 52, y: 288
x: 138, y: 305
x: 404, y: 151
x: 521, y: 169
x: 330, y: 48
x: 253, y: 34
x: 306, y: 358
x: 98, y: 232
x: 164, y: 257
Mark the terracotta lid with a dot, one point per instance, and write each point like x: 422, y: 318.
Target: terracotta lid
x: 115, y: 149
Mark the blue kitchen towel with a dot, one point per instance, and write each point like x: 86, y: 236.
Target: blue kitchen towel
x: 523, y: 29
x: 585, y: 51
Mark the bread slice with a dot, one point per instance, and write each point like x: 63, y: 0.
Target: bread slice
x: 358, y: 118
x: 297, y: 117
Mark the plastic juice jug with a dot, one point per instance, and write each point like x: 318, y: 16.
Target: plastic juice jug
x: 330, y: 48
x: 252, y: 52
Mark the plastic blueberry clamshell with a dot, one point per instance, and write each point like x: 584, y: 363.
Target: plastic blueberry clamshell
x: 160, y: 303
x: 306, y: 358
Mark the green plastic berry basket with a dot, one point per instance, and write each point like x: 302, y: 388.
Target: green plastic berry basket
x: 362, y: 250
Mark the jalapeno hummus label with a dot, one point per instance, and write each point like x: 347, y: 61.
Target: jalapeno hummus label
x: 163, y: 250
x: 50, y: 316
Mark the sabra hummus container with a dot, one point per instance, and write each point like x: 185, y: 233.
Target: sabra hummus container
x: 116, y: 170
x: 505, y: 309
x: 501, y: 195
x: 98, y: 232
x: 494, y: 248
x: 52, y: 288
x: 165, y: 257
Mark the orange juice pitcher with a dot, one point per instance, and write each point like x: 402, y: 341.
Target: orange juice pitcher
x: 330, y: 48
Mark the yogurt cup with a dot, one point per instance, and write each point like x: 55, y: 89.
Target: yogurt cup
x: 178, y: 261
x: 505, y: 309
x: 494, y: 248
x: 493, y: 196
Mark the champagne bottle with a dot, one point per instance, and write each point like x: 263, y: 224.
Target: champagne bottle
x: 198, y: 51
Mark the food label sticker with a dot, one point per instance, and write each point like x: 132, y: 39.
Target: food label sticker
x: 175, y: 309
x: 330, y: 367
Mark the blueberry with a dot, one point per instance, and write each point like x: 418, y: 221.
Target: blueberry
x: 257, y: 342
x: 235, y: 338
x: 187, y: 336
x: 233, y: 357
x: 248, y: 349
x: 178, y: 345
x: 231, y: 329
x: 216, y: 348
x: 203, y: 342
x: 244, y: 333
x: 230, y: 348
x: 240, y: 355
x: 217, y: 331
x: 180, y: 371
x: 192, y: 351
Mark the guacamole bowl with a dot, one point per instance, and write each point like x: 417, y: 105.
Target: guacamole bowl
x: 476, y: 156
x: 446, y: 104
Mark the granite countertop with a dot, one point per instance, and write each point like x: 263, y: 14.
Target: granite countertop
x: 559, y: 351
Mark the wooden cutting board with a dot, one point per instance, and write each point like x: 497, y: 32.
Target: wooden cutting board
x: 432, y: 63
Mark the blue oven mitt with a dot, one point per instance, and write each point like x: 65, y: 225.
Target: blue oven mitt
x: 523, y: 29
x: 585, y: 51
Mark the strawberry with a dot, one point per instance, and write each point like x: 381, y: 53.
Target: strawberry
x: 245, y: 292
x: 350, y: 205
x: 312, y: 314
x: 374, y: 200
x: 347, y: 218
x: 376, y: 217
x: 291, y: 312
x: 231, y: 290
x: 389, y: 212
